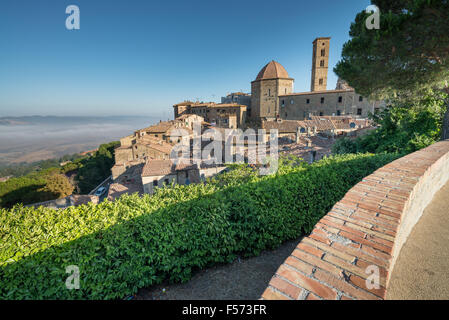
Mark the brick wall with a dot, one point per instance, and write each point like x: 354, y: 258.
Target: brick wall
x: 366, y: 228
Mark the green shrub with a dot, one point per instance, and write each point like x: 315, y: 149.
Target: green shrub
x: 404, y: 127
x: 135, y: 241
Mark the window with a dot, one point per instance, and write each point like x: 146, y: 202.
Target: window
x: 359, y: 111
x: 322, y: 63
x: 283, y: 103
x: 321, y: 113
x: 166, y: 181
x: 154, y: 183
x: 320, y: 82
x: 323, y: 52
x: 308, y: 101
x: 340, y: 99
x: 338, y: 113
x: 285, y: 90
x: 322, y: 99
x: 292, y: 101
x: 360, y: 98
x: 269, y: 92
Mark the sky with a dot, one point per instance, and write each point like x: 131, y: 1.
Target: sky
x: 139, y: 57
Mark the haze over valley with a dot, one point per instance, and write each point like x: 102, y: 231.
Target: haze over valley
x: 34, y: 138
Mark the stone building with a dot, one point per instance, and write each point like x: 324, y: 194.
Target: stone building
x: 272, y: 81
x: 239, y: 98
x: 272, y: 95
x: 320, y: 64
x: 221, y: 115
x: 159, y: 173
x: 154, y: 142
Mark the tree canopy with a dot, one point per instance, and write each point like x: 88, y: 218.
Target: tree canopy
x: 406, y: 57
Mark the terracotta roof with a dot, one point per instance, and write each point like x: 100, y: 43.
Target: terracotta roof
x: 161, y: 127
x: 290, y: 126
x: 283, y: 126
x: 164, y: 167
x: 273, y: 70
x: 164, y: 148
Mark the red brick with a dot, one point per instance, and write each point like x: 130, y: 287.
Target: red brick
x: 315, y: 251
x: 344, y: 286
x: 362, y: 241
x: 270, y: 294
x: 351, y: 268
x: 380, y: 240
x: 320, y: 235
x: 299, y: 265
x: 311, y: 296
x: 376, y: 253
x: 361, y: 283
x: 317, y: 262
x: 285, y: 287
x: 332, y: 250
x: 307, y: 283
x: 361, y: 255
x: 327, y: 228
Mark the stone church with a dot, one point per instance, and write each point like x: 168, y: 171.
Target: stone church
x: 272, y: 95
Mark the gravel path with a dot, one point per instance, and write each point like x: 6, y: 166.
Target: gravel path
x: 243, y: 279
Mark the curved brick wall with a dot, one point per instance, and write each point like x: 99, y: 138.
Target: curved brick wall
x: 367, y: 227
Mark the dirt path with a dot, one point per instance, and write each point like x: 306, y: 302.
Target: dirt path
x: 243, y: 279
x: 422, y: 268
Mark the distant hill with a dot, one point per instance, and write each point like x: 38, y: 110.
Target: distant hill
x: 31, y: 120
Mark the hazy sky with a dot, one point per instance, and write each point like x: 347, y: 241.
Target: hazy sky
x: 141, y: 57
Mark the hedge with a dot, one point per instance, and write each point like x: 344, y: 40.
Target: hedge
x: 136, y: 242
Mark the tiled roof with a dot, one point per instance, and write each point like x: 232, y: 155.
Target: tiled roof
x: 283, y: 126
x: 290, y: 126
x: 161, y: 127
x: 164, y: 167
x: 273, y: 70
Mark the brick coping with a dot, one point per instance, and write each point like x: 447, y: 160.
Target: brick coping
x: 363, y: 232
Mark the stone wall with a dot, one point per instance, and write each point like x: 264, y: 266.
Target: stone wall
x: 327, y: 103
x: 364, y: 232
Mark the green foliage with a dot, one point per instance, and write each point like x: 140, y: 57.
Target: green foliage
x: 405, y: 57
x: 57, y: 186
x: 22, y: 169
x: 404, y: 128
x: 92, y: 171
x: 135, y: 241
x: 46, y: 180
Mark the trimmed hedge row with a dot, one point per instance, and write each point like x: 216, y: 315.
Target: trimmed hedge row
x: 136, y: 242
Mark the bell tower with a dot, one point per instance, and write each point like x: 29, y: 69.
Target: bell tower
x: 320, y: 64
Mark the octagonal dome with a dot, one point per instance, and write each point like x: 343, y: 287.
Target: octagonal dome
x: 273, y: 70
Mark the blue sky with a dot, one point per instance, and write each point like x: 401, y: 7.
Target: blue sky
x: 139, y: 57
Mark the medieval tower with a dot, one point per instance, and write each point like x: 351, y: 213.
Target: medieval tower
x: 320, y: 64
x: 271, y: 82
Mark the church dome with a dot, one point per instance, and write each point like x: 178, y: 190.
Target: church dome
x: 273, y: 70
